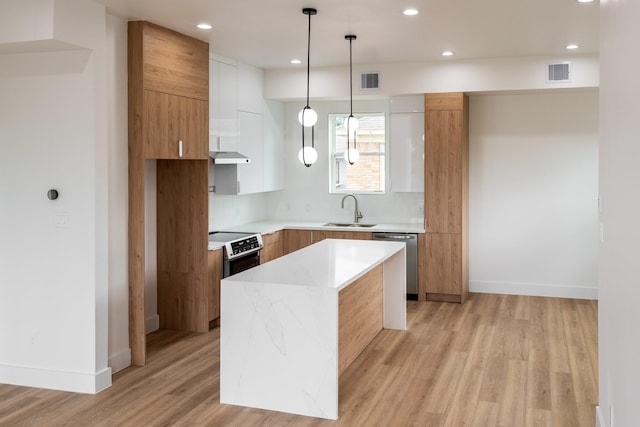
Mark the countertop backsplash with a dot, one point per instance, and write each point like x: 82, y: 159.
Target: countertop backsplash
x: 229, y: 211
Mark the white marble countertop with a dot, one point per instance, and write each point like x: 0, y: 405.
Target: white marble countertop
x: 330, y: 263
x: 271, y: 226
x: 280, y: 323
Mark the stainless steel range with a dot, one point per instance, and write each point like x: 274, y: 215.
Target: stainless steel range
x: 241, y: 250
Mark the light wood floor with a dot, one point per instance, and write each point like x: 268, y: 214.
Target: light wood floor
x: 495, y: 361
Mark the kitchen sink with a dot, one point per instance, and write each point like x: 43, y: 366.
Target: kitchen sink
x: 335, y: 224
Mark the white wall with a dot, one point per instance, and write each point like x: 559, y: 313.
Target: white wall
x: 619, y: 252
x: 448, y: 75
x: 306, y: 194
x: 227, y: 211
x: 533, y: 189
x: 117, y: 119
x: 53, y: 254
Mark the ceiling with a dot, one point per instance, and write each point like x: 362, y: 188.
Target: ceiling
x: 269, y: 33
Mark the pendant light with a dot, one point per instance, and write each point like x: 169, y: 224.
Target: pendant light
x: 351, y: 154
x: 307, y: 117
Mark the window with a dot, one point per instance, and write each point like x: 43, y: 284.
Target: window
x: 367, y: 175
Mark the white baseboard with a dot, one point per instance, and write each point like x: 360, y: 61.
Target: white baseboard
x: 599, y: 418
x: 77, y: 382
x: 533, y: 289
x: 151, y: 323
x: 120, y: 360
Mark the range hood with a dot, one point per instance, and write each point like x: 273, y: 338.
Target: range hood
x: 228, y: 158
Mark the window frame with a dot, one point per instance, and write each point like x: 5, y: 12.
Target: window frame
x: 334, y: 156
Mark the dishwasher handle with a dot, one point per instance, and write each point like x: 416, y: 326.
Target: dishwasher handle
x: 394, y: 236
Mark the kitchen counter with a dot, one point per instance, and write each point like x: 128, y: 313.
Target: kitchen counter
x: 267, y: 227
x: 280, y: 323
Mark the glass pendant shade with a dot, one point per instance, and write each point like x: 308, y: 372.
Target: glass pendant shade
x: 351, y: 155
x: 352, y: 124
x: 310, y: 117
x: 310, y: 156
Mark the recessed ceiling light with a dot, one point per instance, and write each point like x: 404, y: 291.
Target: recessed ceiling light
x: 572, y: 46
x: 410, y: 12
x: 585, y: 1
x: 204, y: 26
x: 296, y: 61
x: 447, y: 53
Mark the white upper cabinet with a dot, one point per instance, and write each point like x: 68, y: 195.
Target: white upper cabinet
x: 223, y: 106
x: 250, y: 97
x: 406, y: 104
x: 273, y: 138
x: 241, y: 120
x: 406, y: 143
x: 250, y: 179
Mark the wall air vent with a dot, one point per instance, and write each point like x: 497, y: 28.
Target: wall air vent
x: 559, y: 72
x: 369, y: 81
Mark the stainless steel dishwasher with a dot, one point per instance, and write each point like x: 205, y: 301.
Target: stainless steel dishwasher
x: 411, y: 241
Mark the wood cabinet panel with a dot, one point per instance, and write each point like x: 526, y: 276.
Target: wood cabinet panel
x: 182, y: 239
x: 169, y: 119
x: 443, y: 171
x: 214, y: 273
x: 194, y: 128
x: 360, y: 316
x: 273, y: 246
x: 444, y: 268
x: 174, y: 63
x: 295, y: 239
x: 160, y: 125
x: 444, y: 101
x: 319, y: 235
x: 422, y: 267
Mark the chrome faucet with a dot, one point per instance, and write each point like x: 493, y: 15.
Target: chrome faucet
x: 356, y: 213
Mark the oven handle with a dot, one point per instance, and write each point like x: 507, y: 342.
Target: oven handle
x: 241, y: 254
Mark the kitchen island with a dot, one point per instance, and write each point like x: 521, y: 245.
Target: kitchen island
x: 291, y: 326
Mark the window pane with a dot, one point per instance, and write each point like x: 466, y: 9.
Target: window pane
x: 368, y: 173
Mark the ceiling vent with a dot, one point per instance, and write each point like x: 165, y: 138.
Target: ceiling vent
x: 369, y: 81
x: 559, y: 72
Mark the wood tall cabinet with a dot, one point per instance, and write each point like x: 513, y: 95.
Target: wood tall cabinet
x: 168, y: 121
x: 444, y: 266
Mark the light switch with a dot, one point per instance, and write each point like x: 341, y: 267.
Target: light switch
x: 62, y: 219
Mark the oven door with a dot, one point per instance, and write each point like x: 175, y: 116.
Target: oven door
x: 241, y: 263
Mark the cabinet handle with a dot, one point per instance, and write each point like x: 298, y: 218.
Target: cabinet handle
x: 180, y: 148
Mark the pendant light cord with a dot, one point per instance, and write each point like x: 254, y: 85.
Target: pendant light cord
x: 308, y: 58
x: 351, y: 75
x: 308, y: 12
x: 350, y: 37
